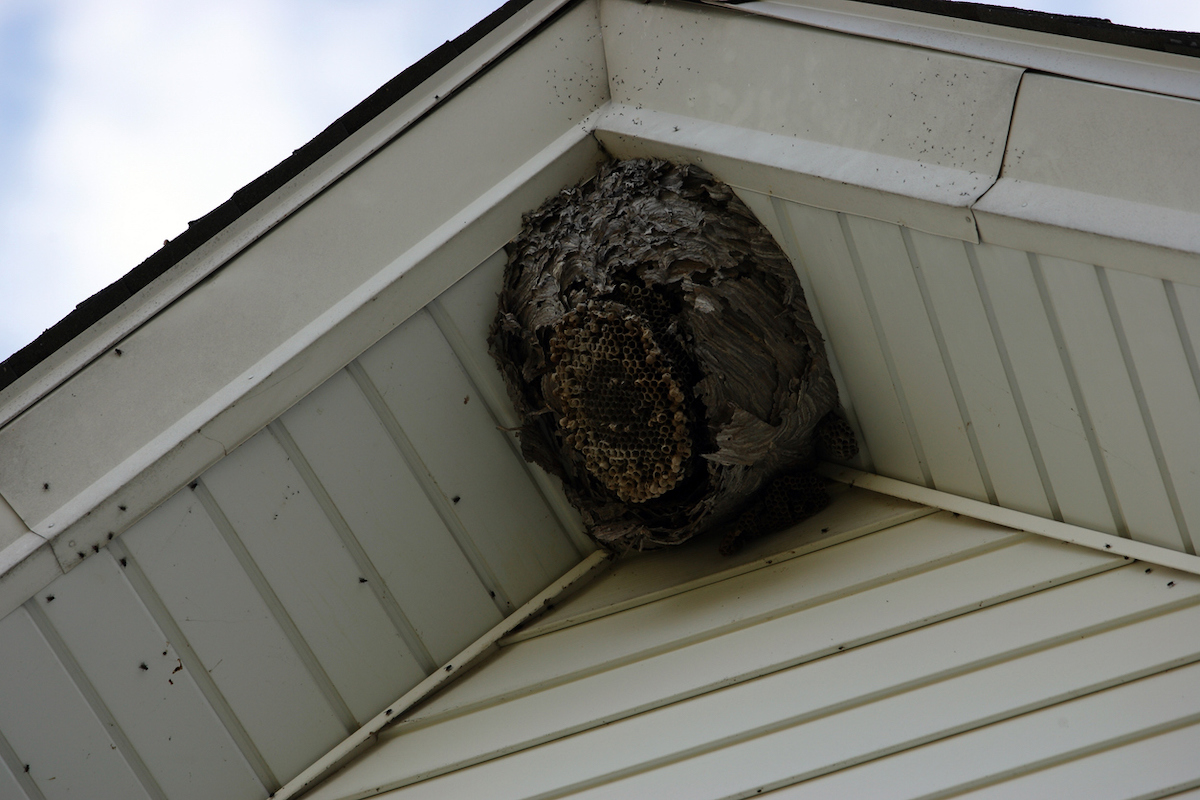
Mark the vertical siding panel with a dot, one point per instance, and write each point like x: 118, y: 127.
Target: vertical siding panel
x: 985, y: 387
x: 1104, y: 381
x: 1055, y: 420
x: 852, y: 337
x: 926, y: 386
x: 464, y: 314
x: 291, y: 540
x: 456, y: 438
x: 1168, y: 388
x: 231, y: 629
x: 384, y: 505
x: 160, y: 709
x: 772, y: 213
x: 10, y: 785
x: 49, y: 724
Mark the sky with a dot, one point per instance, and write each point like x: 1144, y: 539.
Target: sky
x: 121, y: 120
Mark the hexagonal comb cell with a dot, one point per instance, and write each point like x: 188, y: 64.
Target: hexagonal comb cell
x: 622, y: 409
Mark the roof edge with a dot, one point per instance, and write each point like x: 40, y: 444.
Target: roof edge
x: 201, y: 231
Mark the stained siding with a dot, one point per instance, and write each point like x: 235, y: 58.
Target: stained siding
x: 935, y: 656
x: 298, y: 586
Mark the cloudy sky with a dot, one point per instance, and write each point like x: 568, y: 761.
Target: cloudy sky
x: 120, y: 120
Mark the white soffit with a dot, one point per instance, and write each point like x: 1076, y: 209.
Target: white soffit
x: 851, y: 124
x: 1116, y: 65
x: 119, y: 436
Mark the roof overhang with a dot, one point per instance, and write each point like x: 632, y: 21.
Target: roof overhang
x: 958, y: 142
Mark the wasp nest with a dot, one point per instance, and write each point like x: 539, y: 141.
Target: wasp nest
x: 656, y: 343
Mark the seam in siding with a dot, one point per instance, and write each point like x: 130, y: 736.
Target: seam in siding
x: 1073, y: 755
x: 193, y: 664
x: 730, y: 627
x: 955, y: 387
x: 800, y: 266
x: 916, y: 683
x: 280, y: 614
x: 616, y: 715
x: 437, y: 498
x: 400, y: 621
x: 1135, y: 381
x: 889, y: 360
x: 500, y: 410
x: 17, y: 767
x: 99, y: 708
x: 1014, y: 387
x: 1085, y: 416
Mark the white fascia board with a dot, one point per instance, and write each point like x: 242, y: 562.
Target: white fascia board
x: 1093, y: 172
x: 1101, y: 62
x: 253, y: 224
x: 123, y: 433
x: 237, y: 410
x: 884, y: 130
x: 928, y: 197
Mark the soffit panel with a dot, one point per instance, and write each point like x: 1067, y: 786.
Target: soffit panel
x: 1054, y: 387
x: 296, y: 588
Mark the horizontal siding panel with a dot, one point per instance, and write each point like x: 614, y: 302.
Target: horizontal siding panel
x: 230, y: 628
x: 1142, y: 769
x: 816, y: 578
x: 1095, y: 356
x: 141, y: 679
x: 400, y: 531
x: 49, y: 724
x: 657, y: 574
x: 456, y: 438
x: 277, y: 518
x: 986, y: 391
x: 1080, y: 748
x: 862, y: 732
x: 904, y: 325
x: 1056, y: 422
x: 956, y: 675
x: 851, y: 334
x: 743, y: 653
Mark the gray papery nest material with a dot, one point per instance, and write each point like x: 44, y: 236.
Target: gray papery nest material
x: 657, y: 346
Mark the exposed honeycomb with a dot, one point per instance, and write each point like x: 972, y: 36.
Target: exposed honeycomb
x: 622, y: 408
x: 836, y: 438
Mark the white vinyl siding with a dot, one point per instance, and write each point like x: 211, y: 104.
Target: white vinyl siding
x: 916, y: 644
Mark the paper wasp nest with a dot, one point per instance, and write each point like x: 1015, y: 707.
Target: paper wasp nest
x: 656, y: 344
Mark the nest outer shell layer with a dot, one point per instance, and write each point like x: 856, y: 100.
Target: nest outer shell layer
x: 656, y: 344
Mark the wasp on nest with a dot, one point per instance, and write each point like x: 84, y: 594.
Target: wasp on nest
x: 656, y: 344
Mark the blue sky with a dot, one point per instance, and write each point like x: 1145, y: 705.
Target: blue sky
x: 120, y: 120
